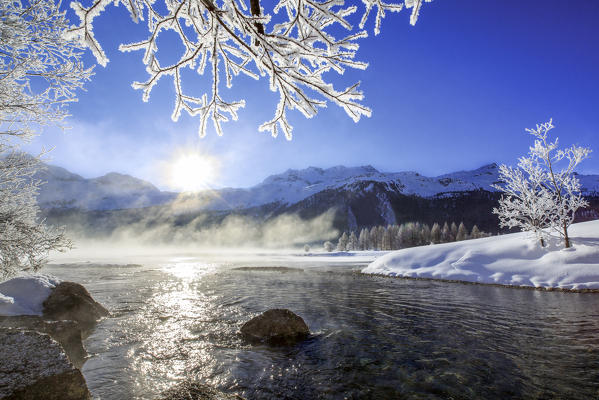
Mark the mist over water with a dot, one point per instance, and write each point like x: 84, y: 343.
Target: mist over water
x: 178, y: 317
x: 176, y: 227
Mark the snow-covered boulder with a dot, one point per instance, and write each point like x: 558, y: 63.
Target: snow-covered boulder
x: 51, y: 299
x: 71, y: 301
x: 34, y: 366
x: 63, y: 310
x: 276, y: 326
x: 515, y: 259
x: 24, y: 295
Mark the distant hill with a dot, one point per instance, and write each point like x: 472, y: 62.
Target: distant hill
x: 357, y: 196
x: 63, y: 189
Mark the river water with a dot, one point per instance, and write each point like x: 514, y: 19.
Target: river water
x: 372, y: 337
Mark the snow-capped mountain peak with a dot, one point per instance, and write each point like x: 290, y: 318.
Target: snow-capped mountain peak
x: 115, y: 190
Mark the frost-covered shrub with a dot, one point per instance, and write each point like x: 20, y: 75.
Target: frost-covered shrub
x: 539, y: 196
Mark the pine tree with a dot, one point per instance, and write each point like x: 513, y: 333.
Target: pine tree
x: 393, y: 232
x: 352, y: 242
x: 342, y: 244
x: 445, y: 233
x: 374, y: 238
x: 475, y: 234
x: 386, y: 240
x: 401, y: 237
x: 436, y: 233
x: 454, y: 232
x: 425, y: 234
x: 361, y: 240
x: 379, y: 235
x: 462, y: 232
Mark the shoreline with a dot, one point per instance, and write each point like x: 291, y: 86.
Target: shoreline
x: 525, y: 287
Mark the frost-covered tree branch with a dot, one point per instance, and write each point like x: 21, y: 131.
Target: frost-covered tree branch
x: 538, y: 195
x: 295, y: 52
x: 40, y: 72
x: 40, y: 69
x: 24, y: 240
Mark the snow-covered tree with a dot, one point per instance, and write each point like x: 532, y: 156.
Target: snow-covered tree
x: 412, y: 234
x: 40, y: 72
x: 379, y: 236
x: 462, y: 232
x: 453, y: 229
x: 445, y: 233
x: 475, y: 233
x: 561, y: 183
x: 24, y: 241
x: 400, y: 237
x: 328, y: 246
x: 526, y: 203
x: 373, y: 235
x: 307, y: 248
x: 538, y: 194
x: 294, y: 44
x: 386, y: 239
x: 352, y: 241
x: 425, y: 234
x: 436, y: 233
x: 363, y: 239
x: 342, y: 243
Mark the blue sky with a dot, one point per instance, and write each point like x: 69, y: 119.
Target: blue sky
x: 453, y: 92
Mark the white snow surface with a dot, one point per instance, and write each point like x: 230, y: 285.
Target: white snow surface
x: 25, y: 295
x: 514, y: 259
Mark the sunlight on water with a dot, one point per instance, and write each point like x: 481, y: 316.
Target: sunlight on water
x: 371, y: 337
x: 186, y: 270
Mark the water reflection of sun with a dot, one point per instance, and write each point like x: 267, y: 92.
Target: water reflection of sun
x: 188, y: 270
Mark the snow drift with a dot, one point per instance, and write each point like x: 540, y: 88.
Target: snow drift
x: 25, y: 295
x: 515, y: 259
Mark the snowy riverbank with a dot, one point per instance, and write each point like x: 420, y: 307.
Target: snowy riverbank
x: 25, y: 295
x: 514, y: 259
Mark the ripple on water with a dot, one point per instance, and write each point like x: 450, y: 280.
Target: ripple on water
x: 371, y: 337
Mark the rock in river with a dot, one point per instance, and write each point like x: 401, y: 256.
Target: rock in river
x: 66, y: 333
x: 276, y: 326
x: 34, y: 366
x: 71, y: 301
x: 196, y: 391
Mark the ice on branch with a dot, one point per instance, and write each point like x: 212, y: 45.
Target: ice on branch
x: 294, y: 53
x: 40, y: 72
x: 540, y: 197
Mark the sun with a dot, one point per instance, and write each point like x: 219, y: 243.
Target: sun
x: 193, y: 172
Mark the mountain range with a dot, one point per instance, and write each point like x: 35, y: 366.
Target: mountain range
x: 358, y: 197
x: 63, y: 189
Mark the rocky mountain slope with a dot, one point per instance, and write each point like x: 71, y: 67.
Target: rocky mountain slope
x: 64, y: 189
x: 357, y: 197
